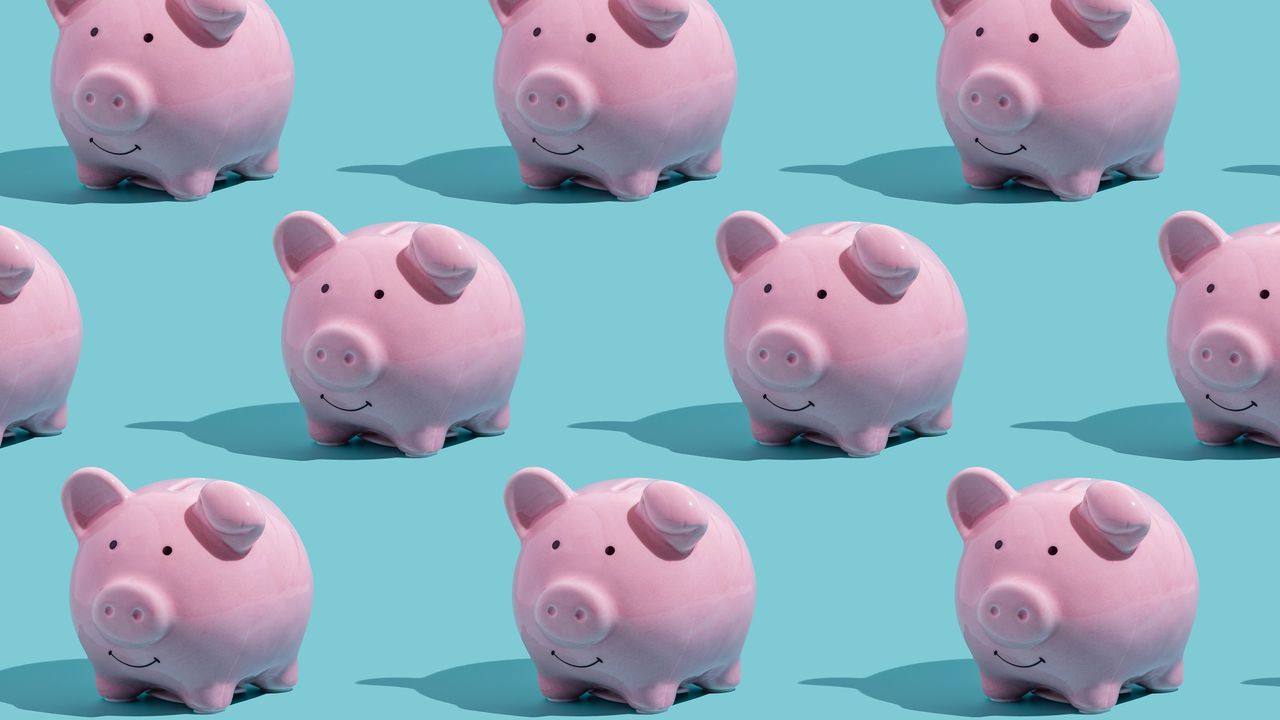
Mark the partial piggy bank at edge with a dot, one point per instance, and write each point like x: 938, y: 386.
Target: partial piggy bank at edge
x: 1056, y: 94
x: 1223, y: 338
x: 171, y: 94
x: 1072, y: 589
x: 614, y: 94
x: 40, y: 335
x: 400, y: 333
x: 843, y: 333
x: 187, y: 589
x: 632, y: 590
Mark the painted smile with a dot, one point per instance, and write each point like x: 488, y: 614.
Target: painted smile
x: 1252, y: 405
x: 580, y: 667
x: 561, y: 154
x: 136, y: 148
x: 154, y: 661
x: 366, y: 404
x: 787, y: 409
x: 1024, y: 667
x: 1021, y: 148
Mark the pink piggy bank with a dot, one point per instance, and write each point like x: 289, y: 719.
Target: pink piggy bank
x: 1056, y: 94
x: 171, y: 94
x: 1072, y: 589
x: 400, y: 333
x: 1223, y: 344
x: 842, y: 333
x: 40, y: 334
x: 614, y: 94
x: 630, y: 589
x: 187, y: 589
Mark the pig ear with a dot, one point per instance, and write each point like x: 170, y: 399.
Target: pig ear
x: 531, y: 494
x: 63, y: 9
x: 947, y: 9
x: 974, y: 494
x: 675, y: 513
x: 220, y: 18
x: 302, y: 237
x: 17, y: 264
x: 744, y: 238
x: 1187, y: 237
x: 504, y: 9
x: 663, y: 18
x: 1106, y: 18
x: 446, y: 256
x: 88, y: 494
x: 233, y: 514
x: 887, y: 257
x: 1116, y: 511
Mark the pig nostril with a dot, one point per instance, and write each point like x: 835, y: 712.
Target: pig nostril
x: 533, y: 98
x: 764, y: 354
x: 1206, y: 354
x: 108, y: 611
x: 136, y: 615
x: 1234, y: 358
x: 792, y: 358
x: 975, y: 98
x: 1023, y: 615
x: 995, y: 611
x: 561, y: 102
x: 551, y: 611
x: 89, y: 98
x: 117, y: 102
x: 321, y: 355
x: 349, y: 358
x: 580, y: 615
x: 1003, y: 102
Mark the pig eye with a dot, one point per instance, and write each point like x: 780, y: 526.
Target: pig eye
x: 324, y: 288
x: 378, y: 294
x: 537, y: 31
x: 1035, y: 37
x: 555, y: 545
x: 591, y: 37
x: 148, y: 38
x: 1211, y: 288
x: 981, y: 31
x: 1053, y: 549
x: 609, y: 550
x: 167, y: 550
x: 113, y: 545
x: 999, y: 544
x: 768, y: 288
x: 822, y: 294
x: 93, y: 32
x: 1264, y: 294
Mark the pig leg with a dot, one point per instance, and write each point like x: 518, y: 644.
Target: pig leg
x: 704, y: 167
x: 542, y: 178
x: 116, y: 691
x: 328, y: 433
x: 771, y: 435
x: 1166, y: 680
x: 1214, y: 434
x: 1096, y: 699
x: 212, y: 699
x: 653, y: 699
x: 866, y: 443
x: 1078, y: 186
x: 1145, y: 168
x: 281, y: 681
x: 984, y: 178
x: 261, y: 167
x: 1003, y: 691
x: 636, y: 186
x: 49, y: 423
x: 938, y: 423
x: 493, y: 424
x: 194, y: 185
x: 423, y: 443
x: 99, y: 178
x: 561, y: 691
x: 722, y: 680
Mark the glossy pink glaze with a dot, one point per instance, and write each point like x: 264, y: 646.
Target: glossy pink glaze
x: 40, y: 336
x: 843, y: 333
x: 628, y: 589
x: 400, y: 333
x: 1073, y: 589
x: 614, y: 94
x: 1223, y: 342
x: 186, y: 589
x: 171, y: 94
x: 1094, y: 93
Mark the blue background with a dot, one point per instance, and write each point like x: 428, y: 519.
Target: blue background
x: 624, y: 373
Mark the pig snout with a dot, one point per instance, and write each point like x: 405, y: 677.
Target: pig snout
x: 999, y: 100
x: 131, y: 613
x: 1229, y: 357
x: 1017, y: 614
x: 787, y: 357
x: 575, y: 613
x: 344, y: 357
x: 113, y: 100
x: 556, y: 100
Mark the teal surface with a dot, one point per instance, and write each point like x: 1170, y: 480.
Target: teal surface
x: 624, y: 373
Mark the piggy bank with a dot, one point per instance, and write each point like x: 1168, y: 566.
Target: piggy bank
x: 400, y: 333
x: 615, y: 95
x: 1223, y: 342
x: 171, y: 94
x: 1072, y: 589
x: 1056, y: 94
x: 843, y: 333
x: 40, y: 336
x: 632, y: 590
x: 187, y: 589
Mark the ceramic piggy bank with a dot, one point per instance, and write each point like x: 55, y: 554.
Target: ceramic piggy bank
x: 1056, y: 94
x: 614, y: 94
x: 1223, y: 340
x: 632, y: 590
x: 187, y: 589
x: 171, y: 94
x: 400, y: 333
x: 1072, y: 589
x: 842, y: 333
x: 40, y: 336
